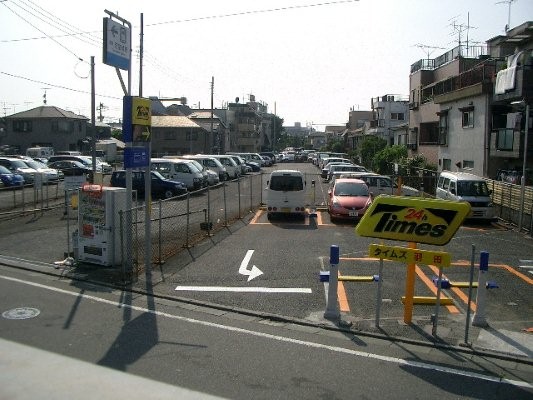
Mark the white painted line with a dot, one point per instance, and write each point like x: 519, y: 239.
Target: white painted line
x: 340, y: 350
x: 526, y: 266
x: 242, y: 289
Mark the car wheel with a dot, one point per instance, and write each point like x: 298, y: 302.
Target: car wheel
x: 168, y: 194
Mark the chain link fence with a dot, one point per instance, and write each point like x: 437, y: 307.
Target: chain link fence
x: 167, y: 227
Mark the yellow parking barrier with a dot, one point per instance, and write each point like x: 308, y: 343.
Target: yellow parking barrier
x: 463, y: 284
x: 430, y: 300
x: 352, y: 278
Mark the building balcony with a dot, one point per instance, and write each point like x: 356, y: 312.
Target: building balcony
x: 522, y: 87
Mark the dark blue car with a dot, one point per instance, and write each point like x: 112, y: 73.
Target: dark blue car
x: 10, y: 179
x: 160, y: 186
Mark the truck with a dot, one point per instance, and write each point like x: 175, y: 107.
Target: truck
x: 107, y: 150
x: 40, y: 152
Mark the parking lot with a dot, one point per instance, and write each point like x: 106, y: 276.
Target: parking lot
x: 290, y: 253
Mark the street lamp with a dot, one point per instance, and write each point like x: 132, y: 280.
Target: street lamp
x: 523, y: 179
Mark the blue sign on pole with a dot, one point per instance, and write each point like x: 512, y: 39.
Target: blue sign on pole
x: 136, y: 157
x: 117, y: 44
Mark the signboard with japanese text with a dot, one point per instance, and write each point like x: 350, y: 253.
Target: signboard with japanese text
x: 117, y: 44
x: 413, y: 219
x: 407, y: 255
x: 136, y: 157
x: 137, y: 119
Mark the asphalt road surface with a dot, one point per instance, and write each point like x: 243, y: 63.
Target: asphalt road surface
x: 224, y: 355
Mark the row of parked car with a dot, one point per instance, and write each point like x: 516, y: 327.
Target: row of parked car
x: 19, y: 170
x: 176, y: 175
x: 352, y: 187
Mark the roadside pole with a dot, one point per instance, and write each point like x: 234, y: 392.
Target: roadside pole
x: 332, y: 310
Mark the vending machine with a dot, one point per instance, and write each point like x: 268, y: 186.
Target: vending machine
x: 99, y: 237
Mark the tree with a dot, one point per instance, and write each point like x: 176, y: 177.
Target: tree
x: 369, y: 148
x: 383, y: 162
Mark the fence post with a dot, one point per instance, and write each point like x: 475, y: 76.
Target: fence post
x: 160, y: 255
x: 251, y: 195
x: 225, y: 206
x: 239, y: 196
x: 188, y: 220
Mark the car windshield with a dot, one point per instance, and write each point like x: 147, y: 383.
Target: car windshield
x: 350, y: 189
x: 157, y: 175
x: 20, y: 164
x: 4, y: 170
x: 34, y: 164
x: 472, y: 188
x: 285, y: 183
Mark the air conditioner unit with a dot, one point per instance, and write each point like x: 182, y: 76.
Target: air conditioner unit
x: 413, y: 105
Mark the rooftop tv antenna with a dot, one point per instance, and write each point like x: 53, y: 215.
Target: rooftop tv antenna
x: 44, y: 95
x: 460, y: 29
x: 428, y: 49
x: 509, y: 2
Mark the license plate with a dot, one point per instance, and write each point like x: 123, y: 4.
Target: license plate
x: 286, y: 209
x: 353, y: 214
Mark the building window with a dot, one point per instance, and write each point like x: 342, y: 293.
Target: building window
x: 468, y: 116
x: 397, y: 116
x: 443, y: 129
x: 467, y: 164
x: 446, y: 164
x: 429, y: 133
x: 192, y: 136
x: 504, y: 139
x: 22, y: 126
x: 62, y: 126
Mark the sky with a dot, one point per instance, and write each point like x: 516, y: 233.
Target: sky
x: 310, y: 61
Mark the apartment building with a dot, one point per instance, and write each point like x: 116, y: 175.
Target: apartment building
x: 457, y: 120
x: 388, y: 113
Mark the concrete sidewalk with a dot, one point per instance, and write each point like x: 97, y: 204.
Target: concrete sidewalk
x: 24, y: 244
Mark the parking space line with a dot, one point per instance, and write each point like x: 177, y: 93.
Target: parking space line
x: 341, y: 296
x: 456, y: 290
x: 256, y: 217
x: 502, y: 266
x: 431, y: 286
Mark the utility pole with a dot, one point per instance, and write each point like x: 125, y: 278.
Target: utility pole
x: 212, y: 89
x: 93, y: 122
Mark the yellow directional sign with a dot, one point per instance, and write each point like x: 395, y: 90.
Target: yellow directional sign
x: 407, y: 255
x: 413, y: 219
x: 141, y: 111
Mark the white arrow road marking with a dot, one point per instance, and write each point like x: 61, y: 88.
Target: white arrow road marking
x: 243, y: 269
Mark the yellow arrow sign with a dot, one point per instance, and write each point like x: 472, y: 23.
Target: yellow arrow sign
x: 412, y: 219
x: 407, y: 255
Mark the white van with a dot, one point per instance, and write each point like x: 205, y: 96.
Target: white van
x: 463, y: 186
x: 181, y: 170
x: 210, y: 163
x: 233, y: 170
x: 285, y: 193
x: 40, y: 152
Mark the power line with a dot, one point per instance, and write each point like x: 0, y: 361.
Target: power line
x: 57, y: 86
x: 251, y: 12
x: 54, y: 22
x: 44, y: 33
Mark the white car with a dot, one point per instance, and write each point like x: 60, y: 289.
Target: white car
x: 50, y: 175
